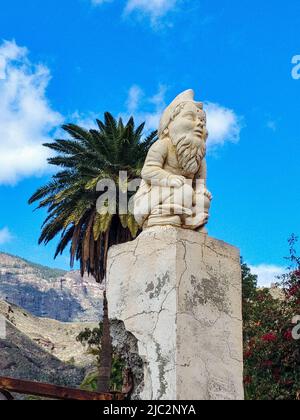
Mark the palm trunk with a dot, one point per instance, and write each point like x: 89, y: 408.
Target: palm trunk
x: 106, y: 351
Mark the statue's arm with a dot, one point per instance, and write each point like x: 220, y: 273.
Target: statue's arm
x: 153, y: 172
x: 203, y: 172
x: 202, y: 176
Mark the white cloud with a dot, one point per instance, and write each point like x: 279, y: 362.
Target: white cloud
x: 145, y: 109
x: 154, y: 9
x: 87, y: 121
x: 9, y: 51
x: 223, y: 125
x: 267, y: 274
x: 5, y: 236
x: 135, y: 106
x: 26, y: 117
x: 134, y: 98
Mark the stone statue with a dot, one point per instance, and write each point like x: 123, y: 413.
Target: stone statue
x: 173, y: 188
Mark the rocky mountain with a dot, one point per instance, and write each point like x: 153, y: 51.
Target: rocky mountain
x: 54, y: 337
x: 41, y: 349
x: 51, y: 293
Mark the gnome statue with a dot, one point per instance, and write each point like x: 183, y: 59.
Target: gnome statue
x: 173, y: 188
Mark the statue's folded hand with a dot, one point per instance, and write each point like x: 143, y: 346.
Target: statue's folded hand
x: 176, y: 181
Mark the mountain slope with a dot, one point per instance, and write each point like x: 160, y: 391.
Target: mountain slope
x: 46, y: 292
x: 54, y: 337
x: 21, y: 358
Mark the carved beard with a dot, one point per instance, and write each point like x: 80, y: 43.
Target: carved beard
x: 189, y: 154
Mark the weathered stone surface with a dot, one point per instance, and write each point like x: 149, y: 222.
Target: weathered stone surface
x: 126, y: 345
x: 179, y: 293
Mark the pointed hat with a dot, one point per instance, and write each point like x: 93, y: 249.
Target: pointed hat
x: 169, y: 112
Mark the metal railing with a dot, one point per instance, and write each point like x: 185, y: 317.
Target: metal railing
x: 9, y: 386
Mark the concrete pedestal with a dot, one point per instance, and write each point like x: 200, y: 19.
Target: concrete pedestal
x: 179, y: 293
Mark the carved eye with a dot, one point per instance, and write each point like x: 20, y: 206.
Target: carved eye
x: 190, y: 116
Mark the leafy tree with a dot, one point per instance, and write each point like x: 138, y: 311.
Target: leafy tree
x: 92, y: 340
x: 271, y: 354
x: 249, y: 285
x: 249, y: 281
x: 70, y: 198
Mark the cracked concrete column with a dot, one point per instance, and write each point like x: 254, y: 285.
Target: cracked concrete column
x: 179, y: 293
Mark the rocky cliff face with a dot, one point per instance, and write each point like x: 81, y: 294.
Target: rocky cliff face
x: 56, y: 338
x: 41, y: 349
x: 22, y: 358
x: 45, y: 292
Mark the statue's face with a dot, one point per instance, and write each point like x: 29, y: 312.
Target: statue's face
x: 188, y: 134
x: 191, y: 123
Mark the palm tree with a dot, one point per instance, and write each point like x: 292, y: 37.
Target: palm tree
x: 70, y: 198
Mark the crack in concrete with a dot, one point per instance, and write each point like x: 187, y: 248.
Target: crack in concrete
x: 162, y: 308
x: 185, y: 264
x: 219, y: 254
x: 139, y: 314
x: 231, y: 356
x: 201, y: 322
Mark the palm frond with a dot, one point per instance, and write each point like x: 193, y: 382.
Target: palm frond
x: 70, y: 198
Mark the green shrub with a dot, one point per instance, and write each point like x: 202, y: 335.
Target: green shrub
x: 271, y: 355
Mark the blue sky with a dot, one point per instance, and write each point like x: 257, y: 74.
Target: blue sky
x: 72, y: 60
